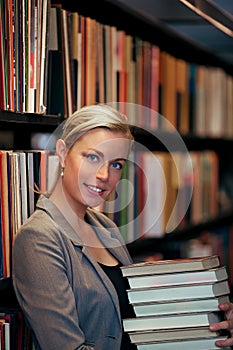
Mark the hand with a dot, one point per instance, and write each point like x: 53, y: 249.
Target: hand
x: 225, y: 325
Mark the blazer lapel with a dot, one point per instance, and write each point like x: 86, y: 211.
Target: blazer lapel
x: 106, y: 281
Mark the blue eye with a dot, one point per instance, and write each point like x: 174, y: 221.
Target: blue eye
x: 92, y: 157
x: 117, y: 166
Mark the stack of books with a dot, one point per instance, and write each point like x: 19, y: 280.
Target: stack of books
x: 175, y: 301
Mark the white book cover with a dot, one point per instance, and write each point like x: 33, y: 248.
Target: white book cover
x: 212, y: 275
x: 179, y: 306
x: 169, y: 266
x: 180, y: 292
x: 192, y: 344
x: 172, y: 334
x: 171, y: 321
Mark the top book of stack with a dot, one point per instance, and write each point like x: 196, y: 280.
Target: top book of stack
x: 171, y: 266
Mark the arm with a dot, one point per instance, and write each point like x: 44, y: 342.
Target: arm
x: 44, y: 292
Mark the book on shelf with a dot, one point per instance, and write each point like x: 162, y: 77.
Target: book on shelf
x: 205, y: 171
x: 168, y: 266
x: 5, y: 334
x: 172, y: 334
x: 182, y: 96
x: 168, y: 89
x: 179, y: 292
x: 191, y: 344
x: 156, y: 170
x: 179, y: 306
x: 8, y: 329
x: 162, y: 322
x: 211, y: 275
x: 30, y: 182
x: 5, y: 210
x: 56, y: 101
x: 16, y: 333
x: 15, y: 195
x: 23, y: 186
x: 2, y: 334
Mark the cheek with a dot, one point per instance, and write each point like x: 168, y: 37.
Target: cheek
x: 74, y: 167
x: 114, y: 178
x: 87, y: 170
x: 72, y: 170
x: 84, y: 173
x: 72, y: 178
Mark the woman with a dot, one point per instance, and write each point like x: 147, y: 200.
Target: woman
x: 67, y: 256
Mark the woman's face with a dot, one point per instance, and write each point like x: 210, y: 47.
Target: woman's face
x: 92, y: 166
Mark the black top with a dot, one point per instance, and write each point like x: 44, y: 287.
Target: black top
x: 121, y: 285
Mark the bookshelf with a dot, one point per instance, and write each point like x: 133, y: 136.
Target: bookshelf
x: 21, y: 125
x: 124, y: 18
x: 17, y: 128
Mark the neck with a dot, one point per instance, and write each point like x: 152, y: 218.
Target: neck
x: 59, y: 198
x: 83, y: 229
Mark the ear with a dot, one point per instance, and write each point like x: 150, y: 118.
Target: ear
x: 61, y: 151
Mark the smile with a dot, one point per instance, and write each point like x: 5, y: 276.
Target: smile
x: 95, y: 189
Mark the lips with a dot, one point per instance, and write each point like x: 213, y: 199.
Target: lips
x: 95, y: 189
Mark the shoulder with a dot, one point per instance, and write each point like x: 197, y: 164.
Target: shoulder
x: 38, y: 221
x: 37, y: 228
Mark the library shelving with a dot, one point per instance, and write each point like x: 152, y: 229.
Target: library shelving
x: 19, y: 126
x: 24, y: 125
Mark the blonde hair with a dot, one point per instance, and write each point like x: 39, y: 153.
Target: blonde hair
x: 88, y: 118
x: 94, y: 116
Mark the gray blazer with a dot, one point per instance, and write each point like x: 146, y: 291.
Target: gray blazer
x: 67, y: 299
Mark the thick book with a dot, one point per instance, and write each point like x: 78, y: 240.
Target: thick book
x: 172, y: 334
x: 179, y: 306
x: 191, y: 344
x: 169, y: 266
x: 212, y: 275
x: 178, y: 292
x: 156, y: 322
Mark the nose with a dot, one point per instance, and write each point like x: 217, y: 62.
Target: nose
x: 103, y: 172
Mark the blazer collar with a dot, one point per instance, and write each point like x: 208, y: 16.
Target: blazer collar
x: 105, y: 229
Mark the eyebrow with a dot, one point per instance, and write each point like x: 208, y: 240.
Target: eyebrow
x: 119, y: 159
x: 96, y: 151
x: 102, y: 155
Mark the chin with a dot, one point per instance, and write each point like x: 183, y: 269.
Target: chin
x: 94, y: 203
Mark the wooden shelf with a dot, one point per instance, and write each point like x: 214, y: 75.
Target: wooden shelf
x: 10, y: 118
x: 21, y: 126
x: 174, y: 142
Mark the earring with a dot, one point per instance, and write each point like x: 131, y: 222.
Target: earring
x: 62, y: 172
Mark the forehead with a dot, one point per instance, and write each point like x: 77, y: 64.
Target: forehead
x: 112, y: 143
